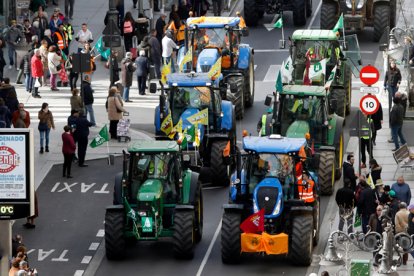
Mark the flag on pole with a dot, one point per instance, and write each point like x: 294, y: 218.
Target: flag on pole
x: 166, y: 70
x: 178, y: 128
x: 339, y: 24
x: 200, y: 117
x: 279, y: 23
x: 131, y: 214
x: 167, y: 124
x: 279, y: 84
x: 317, y: 69
x: 187, y: 58
x: 100, y: 49
x: 197, y: 136
x: 287, y: 70
x: 331, y: 78
x: 254, y: 223
x: 215, y: 70
x: 182, y: 138
x: 101, y: 138
x: 191, y: 133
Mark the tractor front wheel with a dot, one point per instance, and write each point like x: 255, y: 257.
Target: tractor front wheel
x: 328, y: 15
x: 183, y: 237
x: 381, y: 20
x: 237, y: 97
x: 249, y: 84
x: 230, y: 238
x: 114, y: 234
x: 199, y: 215
x: 219, y: 169
x: 326, y: 173
x: 300, y: 242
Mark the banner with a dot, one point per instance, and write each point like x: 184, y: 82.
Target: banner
x: 279, y: 84
x: 254, y: 223
x: 101, y: 138
x: 100, y: 49
x: 167, y: 124
x: 166, y: 70
x: 215, y: 70
x: 279, y: 23
x: 317, y: 69
x: 339, y: 24
x: 331, y: 78
x: 200, y: 117
x: 287, y: 70
x: 187, y: 58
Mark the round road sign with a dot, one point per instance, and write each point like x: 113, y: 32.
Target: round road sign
x: 369, y: 75
x: 369, y: 104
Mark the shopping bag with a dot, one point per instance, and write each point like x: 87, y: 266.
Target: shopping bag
x: 358, y: 221
x: 37, y: 83
x: 63, y: 75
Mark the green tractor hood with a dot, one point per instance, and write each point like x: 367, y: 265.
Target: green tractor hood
x: 150, y: 190
x: 297, y: 129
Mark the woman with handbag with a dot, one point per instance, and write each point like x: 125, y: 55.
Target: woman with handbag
x: 37, y: 72
x: 114, y: 108
x: 45, y: 124
x: 54, y: 66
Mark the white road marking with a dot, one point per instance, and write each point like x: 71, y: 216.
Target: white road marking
x: 314, y: 15
x: 94, y: 246
x: 78, y: 272
x: 269, y: 26
x: 86, y: 259
x: 255, y: 66
x: 101, y: 233
x: 270, y: 50
x: 271, y: 73
x: 210, y: 247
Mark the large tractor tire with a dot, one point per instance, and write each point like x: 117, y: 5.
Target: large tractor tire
x: 393, y: 13
x: 301, y: 240
x: 340, y: 95
x: 198, y: 216
x: 308, y: 8
x: 299, y: 12
x: 251, y: 13
x: 326, y: 173
x: 183, y: 237
x: 114, y: 234
x: 249, y: 84
x: 381, y: 20
x: 230, y: 238
x: 219, y: 169
x: 328, y: 15
x: 237, y: 98
x: 316, y: 218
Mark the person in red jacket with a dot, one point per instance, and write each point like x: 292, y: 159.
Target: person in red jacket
x: 37, y: 72
x: 68, y: 150
x: 21, y: 117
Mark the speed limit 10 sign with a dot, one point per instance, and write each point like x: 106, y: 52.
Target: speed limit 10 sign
x: 369, y: 104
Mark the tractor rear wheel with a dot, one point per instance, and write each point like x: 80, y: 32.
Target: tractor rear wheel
x: 230, y: 238
x: 237, y: 98
x: 249, y: 84
x: 114, y: 234
x: 340, y: 95
x: 198, y: 215
x: 183, y: 237
x: 326, y: 173
x: 328, y: 15
x: 381, y: 20
x: 299, y: 12
x: 219, y: 168
x: 251, y: 13
x: 300, y: 240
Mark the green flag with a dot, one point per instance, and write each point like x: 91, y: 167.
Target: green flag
x: 101, y: 138
x: 330, y: 78
x: 131, y: 214
x: 183, y: 139
x: 101, y: 50
x: 339, y: 24
x: 191, y: 133
x: 279, y: 23
x: 279, y: 84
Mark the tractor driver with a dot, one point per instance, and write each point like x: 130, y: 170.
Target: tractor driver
x: 306, y: 188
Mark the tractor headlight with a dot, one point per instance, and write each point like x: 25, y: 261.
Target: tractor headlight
x: 348, y: 4
x: 277, y: 209
x: 360, y: 4
x: 255, y: 208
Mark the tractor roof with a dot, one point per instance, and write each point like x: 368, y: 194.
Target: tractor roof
x: 153, y: 146
x: 188, y: 79
x: 268, y: 144
x: 314, y: 35
x: 304, y: 90
x: 212, y: 22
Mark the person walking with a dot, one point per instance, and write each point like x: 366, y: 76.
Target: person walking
x: 366, y: 144
x: 115, y: 67
x: 21, y: 117
x: 28, y: 80
x: 55, y: 21
x: 377, y: 119
x: 76, y: 102
x: 160, y: 27
x: 82, y: 133
x: 46, y: 123
x: 396, y: 123
x: 155, y: 53
x: 127, y: 73
x: 88, y: 99
x: 128, y: 30
x: 60, y: 39
x: 44, y: 51
x: 69, y: 4
x: 115, y: 109
x: 401, y: 224
x: 392, y: 80
x: 11, y: 100
x: 349, y: 172
x: 41, y: 23
x: 37, y: 72
x: 402, y: 190
x: 142, y: 68
x: 345, y: 200
x: 53, y: 63
x: 68, y: 150
x: 366, y: 204
x: 168, y: 47
x: 13, y: 37
x: 84, y: 35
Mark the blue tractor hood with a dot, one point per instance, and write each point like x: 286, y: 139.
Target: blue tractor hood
x: 206, y: 59
x: 268, y: 195
x: 273, y: 144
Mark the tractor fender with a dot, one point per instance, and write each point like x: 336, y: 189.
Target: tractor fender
x: 327, y: 148
x: 190, y: 187
x: 232, y: 208
x: 117, y: 207
x: 157, y: 119
x: 299, y: 210
x: 244, y: 56
x: 227, y: 119
x: 118, y: 189
x: 184, y: 207
x: 338, y: 130
x: 381, y: 2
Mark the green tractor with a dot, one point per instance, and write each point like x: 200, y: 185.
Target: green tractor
x: 154, y: 197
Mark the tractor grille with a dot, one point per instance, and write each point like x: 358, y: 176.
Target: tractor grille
x: 144, y: 206
x: 205, y: 68
x: 266, y: 198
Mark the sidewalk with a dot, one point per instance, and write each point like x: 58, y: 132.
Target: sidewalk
x: 383, y: 154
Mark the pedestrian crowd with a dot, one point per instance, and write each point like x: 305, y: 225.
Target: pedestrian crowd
x: 19, y: 264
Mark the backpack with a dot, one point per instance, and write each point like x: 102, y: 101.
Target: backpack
x: 128, y: 27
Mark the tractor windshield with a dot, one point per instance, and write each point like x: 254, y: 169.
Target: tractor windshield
x: 314, y: 50
x: 210, y: 37
x: 273, y: 165
x: 152, y: 166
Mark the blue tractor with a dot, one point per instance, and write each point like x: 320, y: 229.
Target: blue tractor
x: 187, y: 95
x: 212, y: 38
x: 267, y: 179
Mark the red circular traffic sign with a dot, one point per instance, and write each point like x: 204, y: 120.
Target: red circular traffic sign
x: 369, y: 104
x: 369, y: 75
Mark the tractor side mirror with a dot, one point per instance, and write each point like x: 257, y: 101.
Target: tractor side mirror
x: 268, y: 100
x: 233, y: 88
x: 282, y: 44
x: 245, y: 32
x: 153, y: 87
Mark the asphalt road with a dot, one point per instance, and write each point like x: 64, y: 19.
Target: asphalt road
x: 72, y: 242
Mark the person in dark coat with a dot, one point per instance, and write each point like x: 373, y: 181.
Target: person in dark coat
x: 155, y: 55
x: 396, y: 123
x: 42, y: 23
x: 160, y: 26
x: 88, y: 99
x: 82, y: 133
x: 392, y: 80
x: 349, y: 171
x: 366, y: 205
x: 142, y: 65
x: 128, y: 30
x: 2, y: 60
x: 377, y: 119
x: 115, y: 68
x: 127, y: 72
x: 74, y: 115
x: 68, y: 150
x: 346, y: 202
x: 5, y: 115
x: 375, y: 170
x: 375, y: 222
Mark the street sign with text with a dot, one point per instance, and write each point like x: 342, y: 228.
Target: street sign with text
x: 369, y: 104
x: 369, y: 90
x: 369, y: 75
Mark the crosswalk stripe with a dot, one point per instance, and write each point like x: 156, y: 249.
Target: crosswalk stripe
x: 271, y: 73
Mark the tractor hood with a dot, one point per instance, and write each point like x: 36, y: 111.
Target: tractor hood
x: 206, y: 59
x: 268, y: 195
x: 150, y: 190
x: 298, y: 129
